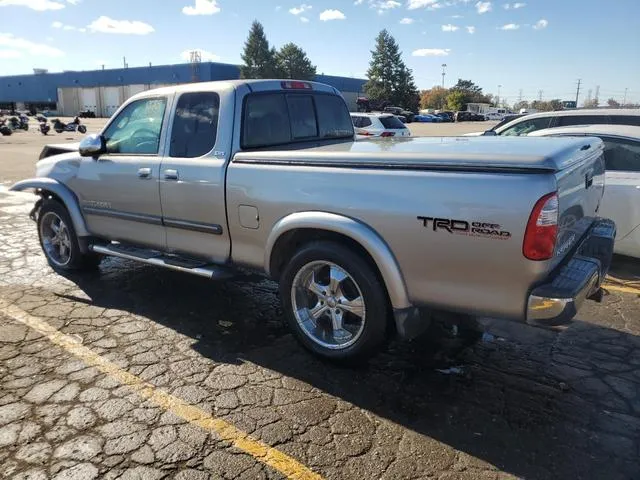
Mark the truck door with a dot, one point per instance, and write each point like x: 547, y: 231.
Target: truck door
x: 118, y: 190
x: 192, y: 174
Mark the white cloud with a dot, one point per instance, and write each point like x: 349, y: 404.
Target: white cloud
x: 304, y: 19
x: 278, y: 8
x: 74, y: 2
x: 519, y: 5
x: 510, y: 26
x: 38, y: 5
x: 358, y: 2
x: 449, y: 28
x: 431, y: 52
x: 406, y: 21
x: 125, y: 27
x: 456, y: 16
x: 540, y: 24
x: 483, y: 7
x: 204, y: 55
x: 471, y: 29
x: 301, y: 9
x: 57, y: 24
x: 7, y: 54
x: 332, y: 15
x: 23, y: 46
x: 385, y: 4
x: 414, y: 4
x: 202, y: 7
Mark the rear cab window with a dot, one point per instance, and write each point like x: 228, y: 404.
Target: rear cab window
x: 527, y: 126
x: 569, y: 120
x: 279, y: 118
x: 392, y: 123
x: 625, y: 120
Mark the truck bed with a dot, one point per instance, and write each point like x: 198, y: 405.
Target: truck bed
x: 455, y: 153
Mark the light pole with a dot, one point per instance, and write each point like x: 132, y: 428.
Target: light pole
x: 444, y: 65
x: 498, y: 100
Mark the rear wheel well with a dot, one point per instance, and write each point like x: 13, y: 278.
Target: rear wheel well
x: 290, y: 242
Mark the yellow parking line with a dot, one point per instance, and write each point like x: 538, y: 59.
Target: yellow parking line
x: 618, y: 288
x: 262, y: 452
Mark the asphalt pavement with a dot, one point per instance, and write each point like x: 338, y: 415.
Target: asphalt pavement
x: 138, y: 373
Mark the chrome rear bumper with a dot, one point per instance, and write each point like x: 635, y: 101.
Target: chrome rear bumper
x: 556, y: 302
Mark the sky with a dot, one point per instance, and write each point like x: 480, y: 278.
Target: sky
x: 528, y: 47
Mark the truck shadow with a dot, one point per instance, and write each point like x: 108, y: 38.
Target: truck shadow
x: 533, y: 403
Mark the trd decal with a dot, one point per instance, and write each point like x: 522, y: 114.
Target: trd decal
x: 462, y: 227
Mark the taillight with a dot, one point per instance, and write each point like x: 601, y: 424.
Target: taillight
x: 387, y: 134
x: 296, y: 85
x: 364, y: 133
x: 542, y: 229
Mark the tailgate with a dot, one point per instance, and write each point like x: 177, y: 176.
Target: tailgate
x: 580, y: 184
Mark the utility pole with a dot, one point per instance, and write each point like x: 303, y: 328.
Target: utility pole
x: 597, y: 95
x: 444, y: 66
x: 498, y: 100
x: 520, y: 96
x: 540, y: 95
x: 578, y: 91
x: 624, y: 102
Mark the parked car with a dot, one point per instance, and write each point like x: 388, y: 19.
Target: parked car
x: 446, y: 116
x: 87, y: 114
x: 408, y: 115
x: 428, y: 118
x: 526, y: 124
x: 364, y: 238
x: 378, y: 125
x: 621, y: 201
x: 464, y: 116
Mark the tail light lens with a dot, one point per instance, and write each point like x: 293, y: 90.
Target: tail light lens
x: 542, y: 229
x: 388, y: 134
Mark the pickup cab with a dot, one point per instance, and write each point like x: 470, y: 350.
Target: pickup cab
x: 366, y: 239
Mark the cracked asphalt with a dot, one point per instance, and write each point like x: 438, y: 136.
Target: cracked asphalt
x: 524, y: 403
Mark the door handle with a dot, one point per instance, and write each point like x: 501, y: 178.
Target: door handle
x: 171, y: 174
x: 144, y: 172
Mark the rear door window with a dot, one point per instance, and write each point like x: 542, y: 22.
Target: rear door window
x: 527, y: 126
x: 366, y: 122
x: 568, y: 120
x: 392, y: 123
x: 621, y: 155
x: 281, y: 117
x: 195, y: 124
x: 625, y: 120
x: 357, y: 121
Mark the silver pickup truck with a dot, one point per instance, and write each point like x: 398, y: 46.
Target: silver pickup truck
x: 365, y: 238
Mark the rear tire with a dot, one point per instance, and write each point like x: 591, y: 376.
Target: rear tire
x: 59, y: 241
x: 334, y: 303
x: 82, y: 129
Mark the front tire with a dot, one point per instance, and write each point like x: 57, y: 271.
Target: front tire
x: 59, y: 241
x: 334, y: 302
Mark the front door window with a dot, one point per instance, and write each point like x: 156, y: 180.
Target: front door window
x: 136, y: 129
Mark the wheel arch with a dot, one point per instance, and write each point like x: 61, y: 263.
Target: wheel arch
x: 51, y: 187
x: 301, y: 227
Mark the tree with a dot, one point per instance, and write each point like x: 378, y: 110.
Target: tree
x: 471, y: 92
x: 455, y: 100
x: 613, y: 104
x: 555, y: 104
x: 590, y: 103
x: 258, y: 57
x: 292, y: 62
x: 434, y: 98
x: 520, y: 105
x: 389, y: 78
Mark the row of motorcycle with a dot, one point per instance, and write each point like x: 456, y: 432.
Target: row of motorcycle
x: 21, y: 122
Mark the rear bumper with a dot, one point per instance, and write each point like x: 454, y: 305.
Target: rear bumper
x: 557, y: 301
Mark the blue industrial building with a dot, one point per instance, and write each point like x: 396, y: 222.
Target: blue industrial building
x: 102, y: 88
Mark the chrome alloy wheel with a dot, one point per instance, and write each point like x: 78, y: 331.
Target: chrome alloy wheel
x: 56, y: 240
x: 328, y: 305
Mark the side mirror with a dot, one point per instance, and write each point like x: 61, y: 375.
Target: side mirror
x: 92, y: 146
x: 488, y: 133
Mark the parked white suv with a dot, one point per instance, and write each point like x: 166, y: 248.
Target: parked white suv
x: 378, y: 125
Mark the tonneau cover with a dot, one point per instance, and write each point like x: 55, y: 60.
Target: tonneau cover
x: 463, y: 153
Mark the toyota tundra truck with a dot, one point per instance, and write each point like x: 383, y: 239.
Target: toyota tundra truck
x: 364, y: 238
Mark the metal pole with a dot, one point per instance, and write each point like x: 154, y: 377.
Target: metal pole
x: 624, y: 102
x: 444, y: 65
x: 578, y: 92
x: 498, y: 100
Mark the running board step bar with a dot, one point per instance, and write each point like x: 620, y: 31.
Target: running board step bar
x: 158, y: 259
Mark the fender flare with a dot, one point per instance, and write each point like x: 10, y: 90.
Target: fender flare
x: 357, y: 231
x: 63, y: 192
